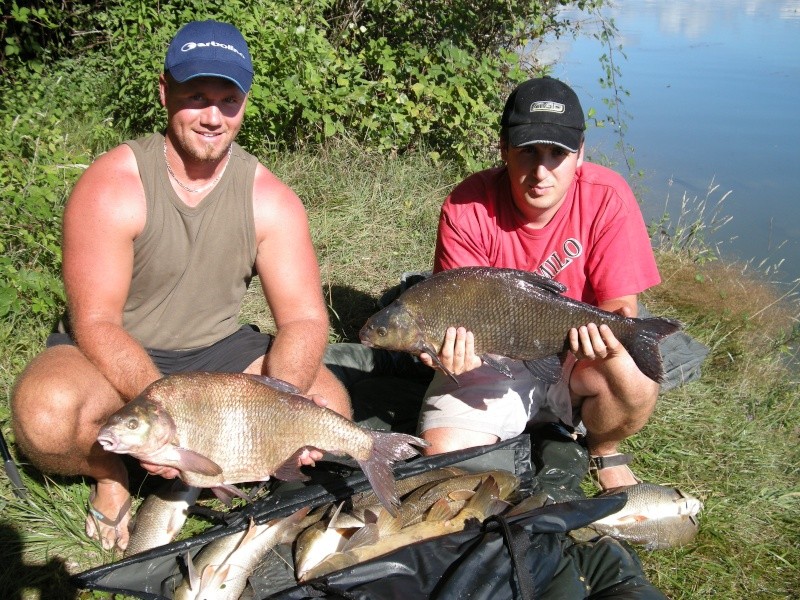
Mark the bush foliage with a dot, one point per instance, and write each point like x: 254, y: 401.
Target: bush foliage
x: 393, y: 75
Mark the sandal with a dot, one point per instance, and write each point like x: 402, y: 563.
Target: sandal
x: 598, y: 463
x: 102, y: 523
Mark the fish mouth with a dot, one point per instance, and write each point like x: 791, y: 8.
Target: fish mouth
x: 108, y: 442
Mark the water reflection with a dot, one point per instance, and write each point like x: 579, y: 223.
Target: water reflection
x: 713, y: 90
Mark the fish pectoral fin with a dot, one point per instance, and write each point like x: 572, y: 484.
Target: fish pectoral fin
x: 197, y: 463
x: 630, y: 519
x: 496, y: 364
x: 548, y: 369
x: 227, y: 492
x: 435, y: 358
x: 290, y: 470
x: 461, y: 495
x: 365, y: 536
x: 213, y: 578
x: 440, y: 511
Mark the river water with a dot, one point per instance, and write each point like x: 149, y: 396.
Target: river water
x: 711, y: 98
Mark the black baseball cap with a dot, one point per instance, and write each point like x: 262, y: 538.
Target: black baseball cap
x: 544, y: 111
x: 210, y: 49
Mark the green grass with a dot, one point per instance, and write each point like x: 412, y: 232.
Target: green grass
x: 730, y: 438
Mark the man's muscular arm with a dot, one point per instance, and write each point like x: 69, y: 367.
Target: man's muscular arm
x: 103, y: 216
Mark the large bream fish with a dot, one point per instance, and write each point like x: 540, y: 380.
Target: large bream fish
x: 219, y: 429
x: 512, y: 313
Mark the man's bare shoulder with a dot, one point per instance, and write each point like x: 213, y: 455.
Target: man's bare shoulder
x: 111, y: 186
x: 273, y: 201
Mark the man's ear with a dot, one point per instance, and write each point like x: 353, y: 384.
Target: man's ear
x: 580, y: 153
x: 503, y: 149
x: 162, y: 89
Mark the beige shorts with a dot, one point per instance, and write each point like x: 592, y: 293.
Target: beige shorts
x: 487, y: 401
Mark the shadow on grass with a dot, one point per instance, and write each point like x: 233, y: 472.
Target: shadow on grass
x: 349, y: 309
x: 50, y: 580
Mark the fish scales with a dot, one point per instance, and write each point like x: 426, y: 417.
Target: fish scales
x: 253, y: 425
x: 512, y: 313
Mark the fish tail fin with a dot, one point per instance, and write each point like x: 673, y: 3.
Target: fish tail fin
x: 643, y: 347
x: 388, y: 448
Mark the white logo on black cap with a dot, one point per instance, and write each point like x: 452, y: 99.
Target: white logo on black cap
x: 547, y: 106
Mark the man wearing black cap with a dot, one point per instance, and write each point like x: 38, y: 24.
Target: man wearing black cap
x: 161, y: 238
x: 548, y: 211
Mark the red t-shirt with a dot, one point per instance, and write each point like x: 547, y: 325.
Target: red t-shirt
x: 597, y: 244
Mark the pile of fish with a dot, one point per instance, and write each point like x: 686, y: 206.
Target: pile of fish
x: 219, y: 429
x: 516, y: 314
x: 435, y: 503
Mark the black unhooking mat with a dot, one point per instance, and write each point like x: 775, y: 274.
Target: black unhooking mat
x: 527, y: 556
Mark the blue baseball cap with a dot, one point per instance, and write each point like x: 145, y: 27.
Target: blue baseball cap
x: 210, y: 49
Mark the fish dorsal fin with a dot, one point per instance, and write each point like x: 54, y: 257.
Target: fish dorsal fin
x: 543, y: 283
x: 273, y: 382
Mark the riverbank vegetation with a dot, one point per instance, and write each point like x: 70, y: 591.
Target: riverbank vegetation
x: 372, y: 131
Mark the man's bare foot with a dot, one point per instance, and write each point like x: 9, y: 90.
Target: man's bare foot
x: 108, y: 515
x: 613, y: 477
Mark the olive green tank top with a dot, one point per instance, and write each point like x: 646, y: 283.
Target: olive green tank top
x: 191, y: 265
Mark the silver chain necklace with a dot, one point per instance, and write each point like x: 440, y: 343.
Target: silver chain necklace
x: 207, y: 186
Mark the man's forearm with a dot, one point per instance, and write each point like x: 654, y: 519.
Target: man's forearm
x: 120, y: 358
x: 296, y: 353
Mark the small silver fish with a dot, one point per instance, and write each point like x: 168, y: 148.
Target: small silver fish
x: 220, y: 570
x: 160, y: 517
x: 654, y: 516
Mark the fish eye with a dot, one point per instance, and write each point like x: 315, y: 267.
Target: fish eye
x: 132, y: 424
x: 381, y: 331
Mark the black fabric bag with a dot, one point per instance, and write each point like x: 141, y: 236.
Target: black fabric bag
x: 527, y: 556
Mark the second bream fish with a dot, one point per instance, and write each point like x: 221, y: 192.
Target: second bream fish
x: 512, y: 313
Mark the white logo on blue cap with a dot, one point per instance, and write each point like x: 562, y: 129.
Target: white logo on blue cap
x: 188, y: 46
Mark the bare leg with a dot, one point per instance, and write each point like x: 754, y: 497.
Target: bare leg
x: 448, y: 439
x: 616, y: 400
x: 58, y: 405
x: 329, y: 387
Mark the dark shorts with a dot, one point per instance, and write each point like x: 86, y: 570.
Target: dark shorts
x: 232, y: 354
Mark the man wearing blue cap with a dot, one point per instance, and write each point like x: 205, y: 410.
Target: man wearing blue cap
x: 161, y: 238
